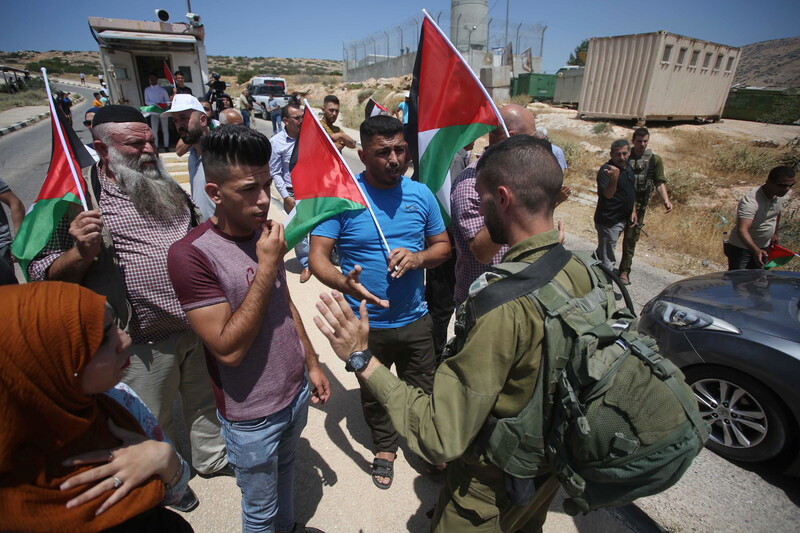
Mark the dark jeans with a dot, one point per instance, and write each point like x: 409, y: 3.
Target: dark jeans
x: 740, y: 258
x: 7, y: 274
x: 440, y: 283
x: 155, y: 520
x: 410, y: 349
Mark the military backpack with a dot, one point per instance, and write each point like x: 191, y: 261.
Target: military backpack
x: 610, y: 417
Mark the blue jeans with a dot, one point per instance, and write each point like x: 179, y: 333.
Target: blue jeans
x: 261, y: 452
x: 246, y: 118
x: 301, y: 249
x: 277, y: 125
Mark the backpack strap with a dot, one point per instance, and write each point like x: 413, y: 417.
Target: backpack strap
x: 533, y: 277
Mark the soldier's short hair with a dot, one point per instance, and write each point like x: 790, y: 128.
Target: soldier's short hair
x: 331, y: 98
x: 640, y: 132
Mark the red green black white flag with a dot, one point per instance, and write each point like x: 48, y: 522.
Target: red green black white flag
x: 62, y: 188
x: 778, y: 256
x: 449, y: 109
x: 322, y: 182
x: 373, y: 108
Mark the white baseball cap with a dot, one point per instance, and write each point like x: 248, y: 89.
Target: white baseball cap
x: 183, y: 102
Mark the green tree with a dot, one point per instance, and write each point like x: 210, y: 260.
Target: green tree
x: 575, y: 57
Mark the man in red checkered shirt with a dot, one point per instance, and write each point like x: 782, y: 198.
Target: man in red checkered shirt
x: 475, y: 250
x: 119, y: 249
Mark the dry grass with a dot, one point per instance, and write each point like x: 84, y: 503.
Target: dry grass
x: 706, y: 174
x: 22, y: 99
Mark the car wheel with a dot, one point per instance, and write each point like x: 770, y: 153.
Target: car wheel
x: 747, y: 421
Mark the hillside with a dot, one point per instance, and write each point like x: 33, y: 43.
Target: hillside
x: 773, y: 63
x: 89, y: 62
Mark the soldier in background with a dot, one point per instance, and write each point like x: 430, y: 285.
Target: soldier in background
x: 649, y: 170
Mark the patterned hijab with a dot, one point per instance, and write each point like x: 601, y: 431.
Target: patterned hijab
x: 49, y: 332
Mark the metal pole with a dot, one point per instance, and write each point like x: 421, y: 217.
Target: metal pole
x: 374, y: 49
x: 517, y: 40
x: 416, y: 25
x: 364, y: 44
x: 505, y: 41
x: 387, y: 44
x: 488, y: 30
x: 457, y: 21
x: 401, y: 38
x: 541, y: 43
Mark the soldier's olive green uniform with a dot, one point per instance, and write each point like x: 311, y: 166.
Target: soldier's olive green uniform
x: 649, y: 171
x: 495, y: 372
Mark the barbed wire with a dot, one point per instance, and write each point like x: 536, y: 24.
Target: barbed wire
x: 403, y: 38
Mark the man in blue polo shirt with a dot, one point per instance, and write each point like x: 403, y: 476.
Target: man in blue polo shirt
x: 392, y: 283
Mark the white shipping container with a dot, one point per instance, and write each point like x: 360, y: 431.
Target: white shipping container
x: 568, y: 86
x: 656, y: 76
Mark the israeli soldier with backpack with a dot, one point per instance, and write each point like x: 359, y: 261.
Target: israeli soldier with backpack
x: 547, y: 385
x: 649, y: 170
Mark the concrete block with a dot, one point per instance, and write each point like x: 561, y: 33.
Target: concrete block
x: 496, y: 76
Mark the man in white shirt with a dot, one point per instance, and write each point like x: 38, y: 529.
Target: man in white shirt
x: 282, y: 147
x: 155, y: 95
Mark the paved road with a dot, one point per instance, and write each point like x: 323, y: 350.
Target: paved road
x: 333, y: 490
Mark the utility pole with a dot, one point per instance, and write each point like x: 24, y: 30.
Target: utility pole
x: 505, y: 42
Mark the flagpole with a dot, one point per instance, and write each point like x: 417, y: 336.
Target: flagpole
x: 352, y: 176
x: 474, y: 77
x: 57, y: 122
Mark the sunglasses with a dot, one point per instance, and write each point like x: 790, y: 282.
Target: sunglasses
x: 87, y: 123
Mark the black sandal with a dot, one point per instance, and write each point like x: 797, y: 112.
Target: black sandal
x: 382, y: 468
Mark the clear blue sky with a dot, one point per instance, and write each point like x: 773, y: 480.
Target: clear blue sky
x: 316, y: 29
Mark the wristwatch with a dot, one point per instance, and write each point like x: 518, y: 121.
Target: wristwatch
x: 358, y: 361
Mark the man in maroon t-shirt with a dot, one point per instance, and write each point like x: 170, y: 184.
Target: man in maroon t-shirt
x: 230, y: 278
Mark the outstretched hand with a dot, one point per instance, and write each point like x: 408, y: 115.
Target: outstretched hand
x: 346, y: 332
x: 355, y: 289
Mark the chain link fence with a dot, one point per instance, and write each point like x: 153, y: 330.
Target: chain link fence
x: 403, y: 38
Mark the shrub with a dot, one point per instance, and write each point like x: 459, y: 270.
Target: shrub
x: 754, y: 160
x: 244, y: 76
x: 601, y: 127
x: 363, y: 95
x: 521, y: 99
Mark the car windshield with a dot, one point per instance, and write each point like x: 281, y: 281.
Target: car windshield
x: 269, y: 88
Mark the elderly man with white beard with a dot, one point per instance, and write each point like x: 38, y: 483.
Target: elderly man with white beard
x: 119, y: 249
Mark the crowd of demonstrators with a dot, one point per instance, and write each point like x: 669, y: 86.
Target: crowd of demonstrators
x: 283, y: 144
x: 401, y: 332
x: 230, y: 278
x: 119, y: 248
x: 199, y: 283
x: 757, y: 219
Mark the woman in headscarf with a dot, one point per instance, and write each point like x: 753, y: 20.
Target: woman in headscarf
x: 72, y: 458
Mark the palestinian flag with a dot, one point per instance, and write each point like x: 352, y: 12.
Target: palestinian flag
x: 168, y: 74
x: 148, y: 110
x: 323, y: 184
x: 449, y: 109
x: 62, y: 187
x: 373, y: 108
x: 778, y: 256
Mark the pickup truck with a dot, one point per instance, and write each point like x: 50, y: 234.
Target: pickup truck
x: 262, y: 88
